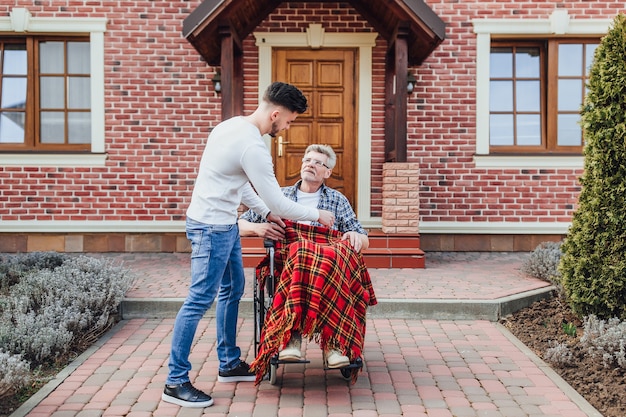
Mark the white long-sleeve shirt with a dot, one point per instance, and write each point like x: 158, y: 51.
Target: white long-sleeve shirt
x: 235, y: 156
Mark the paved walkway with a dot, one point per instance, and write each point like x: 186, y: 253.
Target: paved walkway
x: 439, y: 362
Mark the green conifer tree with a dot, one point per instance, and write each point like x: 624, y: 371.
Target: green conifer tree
x: 593, y: 265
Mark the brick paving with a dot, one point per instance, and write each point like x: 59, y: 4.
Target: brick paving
x: 412, y: 367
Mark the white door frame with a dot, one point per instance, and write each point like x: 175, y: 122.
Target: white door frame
x: 316, y: 38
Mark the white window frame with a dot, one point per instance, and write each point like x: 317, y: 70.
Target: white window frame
x: 558, y: 24
x: 21, y: 21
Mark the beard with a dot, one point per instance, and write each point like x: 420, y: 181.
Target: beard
x: 274, y: 130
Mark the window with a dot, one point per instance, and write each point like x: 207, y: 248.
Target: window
x: 45, y: 102
x: 51, y: 90
x: 533, y: 48
x: 535, y: 93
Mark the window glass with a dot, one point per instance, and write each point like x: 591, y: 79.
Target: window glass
x: 12, y: 127
x: 501, y: 63
x: 13, y: 93
x: 52, y: 127
x: 501, y: 129
x: 51, y: 57
x: 78, y: 58
x: 52, y: 92
x: 590, y: 50
x: 501, y: 96
x: 528, y: 97
x: 528, y: 130
x: 14, y: 60
x: 570, y: 95
x: 570, y: 60
x: 79, y: 96
x: 79, y: 127
x: 527, y: 63
x: 569, y: 131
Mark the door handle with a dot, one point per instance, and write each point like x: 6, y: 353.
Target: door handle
x: 280, y: 146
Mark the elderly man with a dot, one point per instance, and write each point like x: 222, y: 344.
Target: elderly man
x: 310, y: 191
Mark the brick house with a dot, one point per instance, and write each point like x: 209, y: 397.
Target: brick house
x: 455, y: 121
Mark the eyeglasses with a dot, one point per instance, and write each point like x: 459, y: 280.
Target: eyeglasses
x: 310, y: 161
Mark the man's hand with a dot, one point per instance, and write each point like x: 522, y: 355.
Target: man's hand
x: 269, y: 230
x: 327, y: 218
x: 356, y: 240
x: 272, y: 218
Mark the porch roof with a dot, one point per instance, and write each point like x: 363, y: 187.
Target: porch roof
x: 202, y: 27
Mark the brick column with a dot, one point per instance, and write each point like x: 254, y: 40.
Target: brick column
x: 400, y: 197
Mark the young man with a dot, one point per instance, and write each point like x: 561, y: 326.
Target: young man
x: 310, y: 191
x: 235, y: 156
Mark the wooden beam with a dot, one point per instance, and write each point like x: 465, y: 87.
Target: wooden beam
x: 396, y: 70
x: 231, y: 73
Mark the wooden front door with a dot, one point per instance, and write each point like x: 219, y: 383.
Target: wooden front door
x: 328, y: 79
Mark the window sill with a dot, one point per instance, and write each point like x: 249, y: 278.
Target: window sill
x: 53, y: 159
x: 553, y: 162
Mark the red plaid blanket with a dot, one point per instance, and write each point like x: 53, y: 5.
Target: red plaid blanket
x: 323, y: 290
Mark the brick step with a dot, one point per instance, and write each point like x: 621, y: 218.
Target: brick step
x: 385, y: 251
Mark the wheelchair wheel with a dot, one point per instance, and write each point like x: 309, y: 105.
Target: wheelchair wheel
x: 346, y: 373
x: 273, y: 372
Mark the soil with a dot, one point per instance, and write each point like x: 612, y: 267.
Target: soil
x: 542, y: 323
x: 537, y: 327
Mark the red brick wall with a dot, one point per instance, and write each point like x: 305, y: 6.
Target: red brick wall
x: 160, y: 107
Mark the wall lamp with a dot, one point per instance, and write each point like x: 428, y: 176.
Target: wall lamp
x: 217, y: 82
x: 411, y: 81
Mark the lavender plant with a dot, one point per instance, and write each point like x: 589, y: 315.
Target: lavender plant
x: 57, y: 307
x: 605, y: 340
x: 543, y: 263
x: 14, y: 374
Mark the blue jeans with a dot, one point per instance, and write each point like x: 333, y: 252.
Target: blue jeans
x: 216, y: 265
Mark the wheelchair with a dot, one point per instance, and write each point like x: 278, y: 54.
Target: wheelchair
x: 263, y: 297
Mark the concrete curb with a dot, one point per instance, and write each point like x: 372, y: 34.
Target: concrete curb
x: 435, y: 309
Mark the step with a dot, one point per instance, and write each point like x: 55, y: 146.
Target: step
x: 385, y: 251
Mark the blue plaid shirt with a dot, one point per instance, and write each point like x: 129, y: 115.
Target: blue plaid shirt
x: 331, y: 200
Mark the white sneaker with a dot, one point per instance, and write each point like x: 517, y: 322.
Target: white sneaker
x: 291, y: 352
x: 334, y: 359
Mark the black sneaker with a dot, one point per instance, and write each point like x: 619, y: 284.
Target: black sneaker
x: 240, y: 373
x: 186, y: 395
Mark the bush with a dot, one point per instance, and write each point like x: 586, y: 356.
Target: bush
x: 57, y: 308
x: 559, y: 354
x: 605, y: 340
x: 544, y: 261
x: 14, y: 374
x: 15, y: 267
x: 593, y: 265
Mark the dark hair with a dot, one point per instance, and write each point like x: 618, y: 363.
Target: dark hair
x: 286, y: 95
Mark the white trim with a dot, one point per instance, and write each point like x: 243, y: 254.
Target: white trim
x: 488, y: 228
x: 557, y: 162
x: 316, y: 38
x: 21, y: 21
x: 56, y: 226
x: 495, y: 228
x: 559, y: 23
x: 56, y: 160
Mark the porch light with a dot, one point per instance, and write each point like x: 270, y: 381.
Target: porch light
x: 217, y: 82
x: 411, y: 81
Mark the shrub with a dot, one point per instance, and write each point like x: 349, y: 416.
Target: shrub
x: 14, y: 267
x: 605, y: 340
x: 544, y: 261
x: 559, y: 354
x: 51, y: 312
x: 14, y: 374
x: 593, y: 265
x: 543, y: 264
